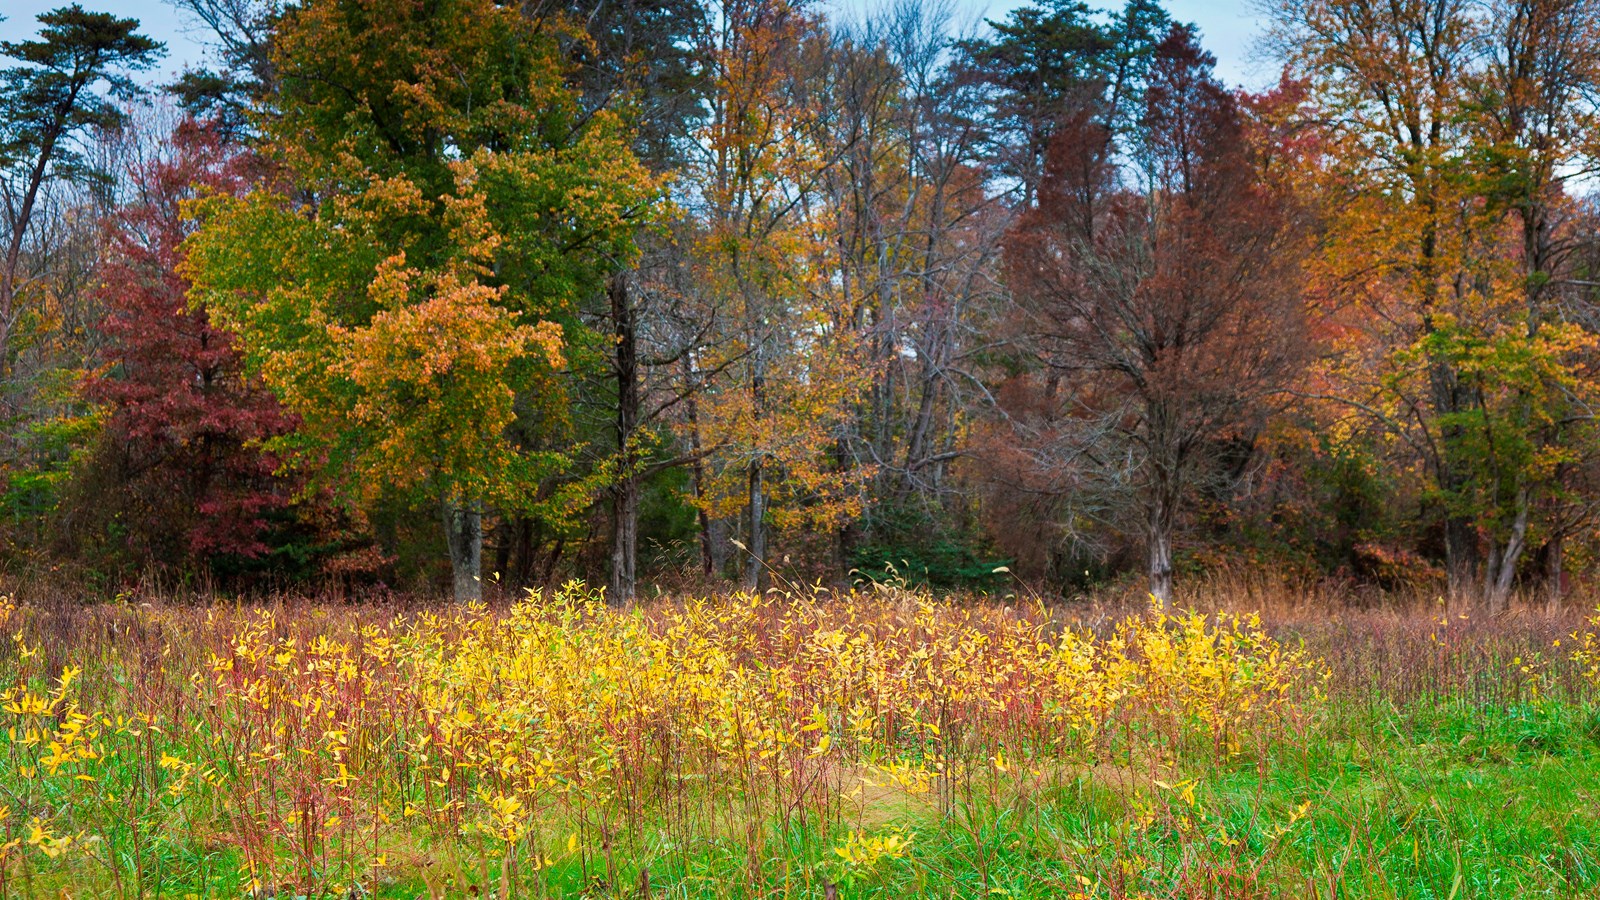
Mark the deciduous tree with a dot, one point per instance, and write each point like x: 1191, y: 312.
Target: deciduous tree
x: 1165, y: 311
x: 407, y: 300
x: 184, y: 423
x: 787, y: 373
x: 1451, y: 129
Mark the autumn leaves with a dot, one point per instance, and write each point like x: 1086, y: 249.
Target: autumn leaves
x: 441, y: 214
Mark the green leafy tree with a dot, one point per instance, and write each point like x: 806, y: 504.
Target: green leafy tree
x: 1054, y: 62
x: 409, y: 290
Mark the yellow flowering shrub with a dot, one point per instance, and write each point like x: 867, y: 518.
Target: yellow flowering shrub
x: 553, y: 729
x: 1586, y: 653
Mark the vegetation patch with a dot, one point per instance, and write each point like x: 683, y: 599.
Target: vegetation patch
x: 878, y: 744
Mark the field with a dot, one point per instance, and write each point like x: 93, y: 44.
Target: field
x: 881, y: 745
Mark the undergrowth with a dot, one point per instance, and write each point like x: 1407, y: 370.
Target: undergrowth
x: 880, y: 745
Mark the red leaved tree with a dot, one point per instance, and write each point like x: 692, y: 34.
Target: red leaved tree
x: 1159, y: 298
x: 179, y: 451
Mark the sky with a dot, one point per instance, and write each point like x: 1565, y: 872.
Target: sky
x: 159, y: 20
x: 1228, y: 28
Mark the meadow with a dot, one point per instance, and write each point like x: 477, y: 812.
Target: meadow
x: 884, y: 744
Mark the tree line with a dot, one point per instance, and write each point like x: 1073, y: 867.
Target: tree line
x: 394, y: 292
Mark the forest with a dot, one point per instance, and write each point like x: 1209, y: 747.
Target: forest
x: 459, y: 295
x: 629, y: 449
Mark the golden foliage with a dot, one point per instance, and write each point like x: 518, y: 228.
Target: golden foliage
x: 546, y: 727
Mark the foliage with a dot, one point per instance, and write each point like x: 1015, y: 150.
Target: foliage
x: 1446, y: 174
x: 790, y: 368
x: 60, y: 92
x: 243, y: 76
x: 1045, y: 64
x: 318, y: 748
x: 188, y: 481
x: 941, y: 564
x: 744, y: 746
x: 52, y: 98
x: 778, y: 280
x: 422, y: 299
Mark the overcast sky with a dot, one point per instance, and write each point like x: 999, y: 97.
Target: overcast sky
x: 1228, y: 29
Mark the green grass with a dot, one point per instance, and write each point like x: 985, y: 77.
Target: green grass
x: 1439, y: 800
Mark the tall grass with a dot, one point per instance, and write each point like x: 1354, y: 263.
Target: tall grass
x: 882, y: 744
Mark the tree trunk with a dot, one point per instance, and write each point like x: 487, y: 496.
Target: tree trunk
x: 755, y: 575
x: 547, y: 575
x: 755, y: 572
x: 504, y: 534
x: 849, y: 539
x: 1159, y: 551
x: 1555, y: 572
x: 624, y: 542
x: 524, y: 570
x: 919, y: 445
x: 716, y: 546
x: 463, y: 528
x: 710, y: 557
x: 1161, y: 503
x: 1502, y: 571
x: 1460, y: 557
x: 1448, y: 397
x: 19, y: 229
x: 848, y: 533
x: 625, y: 494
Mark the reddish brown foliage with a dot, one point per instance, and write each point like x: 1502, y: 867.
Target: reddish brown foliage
x: 1160, y: 299
x: 184, y: 421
